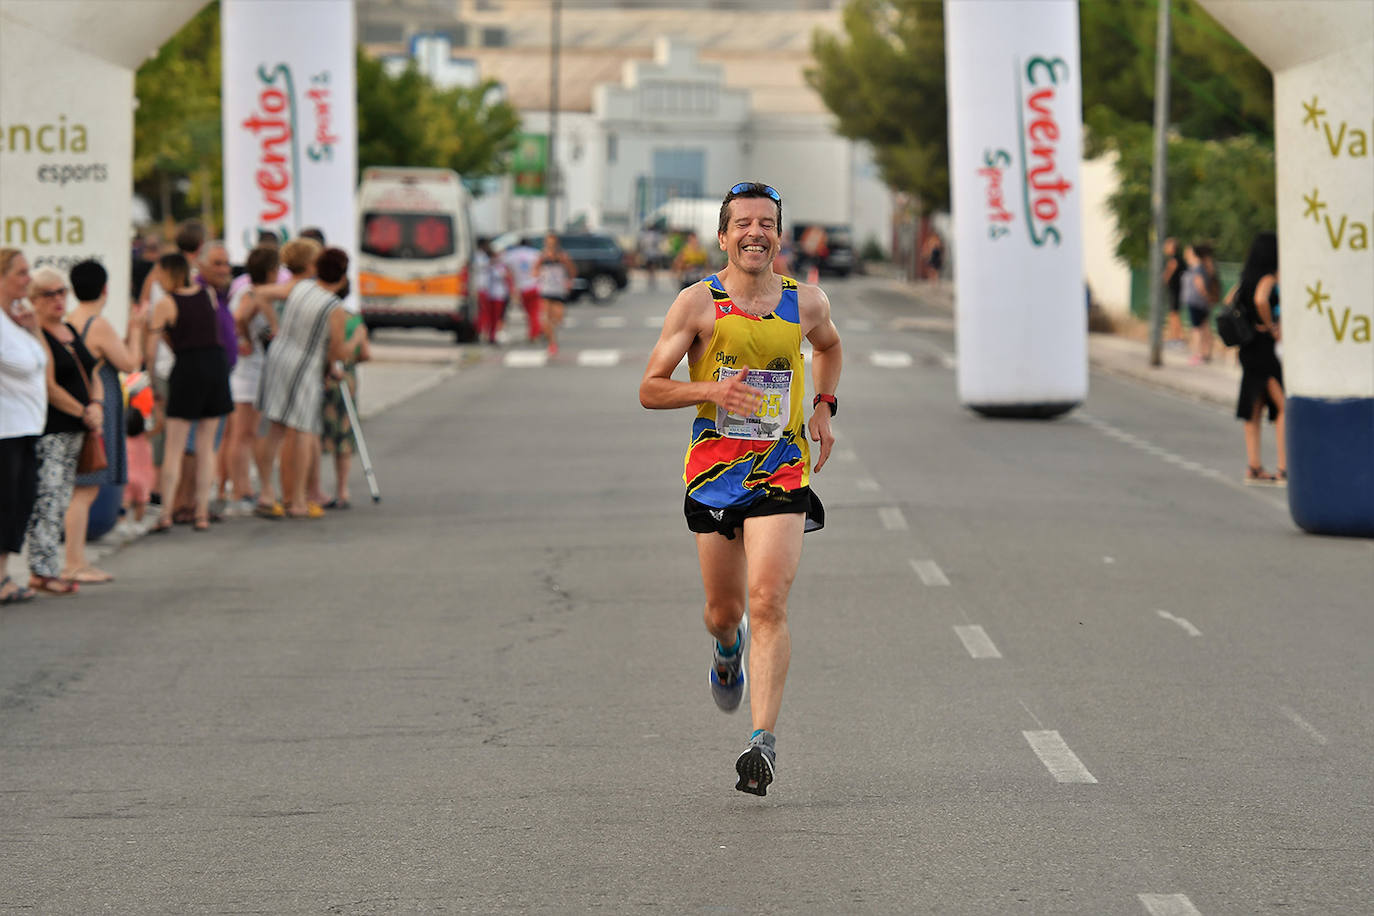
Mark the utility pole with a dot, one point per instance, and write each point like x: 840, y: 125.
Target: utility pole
x: 551, y: 189
x: 1159, y: 209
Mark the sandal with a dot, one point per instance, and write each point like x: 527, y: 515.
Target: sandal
x: 312, y: 511
x: 266, y: 510
x: 1259, y: 477
x: 1281, y: 477
x: 19, y: 595
x: 53, y: 585
x: 89, y: 575
x: 162, y: 527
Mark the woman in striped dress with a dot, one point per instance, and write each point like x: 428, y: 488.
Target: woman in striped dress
x: 292, y: 393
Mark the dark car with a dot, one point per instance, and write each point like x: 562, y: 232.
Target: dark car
x: 834, y: 249
x: 599, y: 259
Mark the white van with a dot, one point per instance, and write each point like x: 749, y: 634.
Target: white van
x: 679, y: 215
x: 414, y: 247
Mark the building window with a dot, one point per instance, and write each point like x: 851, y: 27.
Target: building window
x: 612, y: 148
x: 493, y: 38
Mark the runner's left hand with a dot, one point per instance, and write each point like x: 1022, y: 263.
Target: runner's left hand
x: 819, y: 428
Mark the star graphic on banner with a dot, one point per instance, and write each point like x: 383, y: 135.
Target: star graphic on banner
x: 1317, y: 298
x: 1314, y: 205
x: 1312, y: 111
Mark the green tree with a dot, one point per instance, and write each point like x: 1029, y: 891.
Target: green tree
x: 884, y: 80
x: 177, y: 121
x: 405, y: 120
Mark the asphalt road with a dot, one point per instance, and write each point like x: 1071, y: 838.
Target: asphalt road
x: 1039, y: 667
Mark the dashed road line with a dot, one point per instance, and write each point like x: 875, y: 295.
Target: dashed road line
x: 977, y: 642
x: 653, y: 321
x: 892, y: 518
x: 1292, y: 716
x: 858, y: 325
x: 930, y: 572
x: 1168, y: 905
x: 611, y: 321
x: 844, y: 454
x: 867, y: 484
x: 1184, y: 624
x: 1054, y: 753
x: 1169, y: 457
x: 525, y: 359
x: 890, y: 359
x: 598, y: 358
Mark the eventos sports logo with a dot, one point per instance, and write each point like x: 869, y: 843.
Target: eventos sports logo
x: 1043, y: 187
x: 277, y: 169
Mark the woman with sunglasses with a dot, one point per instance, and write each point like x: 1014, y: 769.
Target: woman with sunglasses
x: 74, y: 409
x: 23, y: 413
x: 748, y: 467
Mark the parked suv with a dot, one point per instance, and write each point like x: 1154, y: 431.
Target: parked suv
x: 599, y: 259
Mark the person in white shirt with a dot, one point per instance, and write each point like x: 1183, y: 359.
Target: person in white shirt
x: 23, y: 414
x: 522, y: 259
x: 493, y: 295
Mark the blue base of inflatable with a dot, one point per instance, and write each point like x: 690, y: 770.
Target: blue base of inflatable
x: 104, y: 512
x: 1041, y: 411
x: 1331, y: 465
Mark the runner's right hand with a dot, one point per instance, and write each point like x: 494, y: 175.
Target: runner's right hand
x: 738, y: 398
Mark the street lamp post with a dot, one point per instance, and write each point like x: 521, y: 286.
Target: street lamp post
x: 1159, y: 208
x: 551, y: 166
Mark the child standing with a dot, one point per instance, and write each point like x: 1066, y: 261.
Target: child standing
x: 140, y: 460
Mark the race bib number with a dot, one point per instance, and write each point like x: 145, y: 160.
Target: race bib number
x: 770, y: 419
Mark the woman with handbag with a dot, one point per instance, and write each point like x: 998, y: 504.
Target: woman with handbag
x: 1261, y: 382
x: 90, y: 285
x: 72, y: 431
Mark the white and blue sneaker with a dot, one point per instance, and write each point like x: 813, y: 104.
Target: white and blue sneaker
x: 727, y: 675
x: 757, y: 764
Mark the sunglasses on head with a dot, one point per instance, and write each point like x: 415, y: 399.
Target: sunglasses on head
x: 745, y: 187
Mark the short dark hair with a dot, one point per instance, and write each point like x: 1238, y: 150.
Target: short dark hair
x: 190, y: 236
x: 332, y: 265
x: 134, y: 425
x: 262, y: 263
x: 88, y: 281
x: 310, y: 232
x: 748, y: 189
x: 268, y: 237
x: 176, y: 266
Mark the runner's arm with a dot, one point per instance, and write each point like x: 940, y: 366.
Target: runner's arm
x: 658, y: 390
x: 826, y: 359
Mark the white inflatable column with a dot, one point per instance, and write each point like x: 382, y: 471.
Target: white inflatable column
x: 290, y: 115
x: 1015, y: 143
x: 1322, y: 56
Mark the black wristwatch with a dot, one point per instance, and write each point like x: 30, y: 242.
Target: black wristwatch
x: 829, y: 400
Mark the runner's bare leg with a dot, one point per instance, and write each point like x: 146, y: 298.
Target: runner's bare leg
x: 773, y: 545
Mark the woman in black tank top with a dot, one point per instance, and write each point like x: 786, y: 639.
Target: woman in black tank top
x: 198, y: 389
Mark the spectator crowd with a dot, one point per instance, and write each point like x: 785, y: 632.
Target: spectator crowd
x: 220, y: 399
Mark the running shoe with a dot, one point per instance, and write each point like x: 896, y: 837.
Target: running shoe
x: 756, y: 765
x: 727, y: 675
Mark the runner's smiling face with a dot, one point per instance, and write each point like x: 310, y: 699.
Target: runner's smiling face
x: 751, y: 238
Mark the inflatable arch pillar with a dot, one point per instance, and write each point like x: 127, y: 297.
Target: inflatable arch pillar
x: 1322, y: 55
x: 1015, y: 142
x: 66, y: 128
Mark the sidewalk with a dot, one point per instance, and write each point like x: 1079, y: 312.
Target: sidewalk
x: 1217, y: 382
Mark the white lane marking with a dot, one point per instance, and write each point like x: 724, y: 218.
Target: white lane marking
x: 890, y: 359
x: 654, y: 321
x: 858, y: 325
x: 1187, y: 627
x: 1303, y: 724
x: 526, y: 359
x: 945, y: 358
x: 892, y: 518
x: 1054, y: 753
x: 844, y: 454
x: 569, y: 323
x: 930, y: 572
x: 600, y: 359
x: 611, y: 321
x: 1034, y: 717
x: 976, y: 641
x: 1168, y: 905
x: 1179, y: 461
x: 867, y: 484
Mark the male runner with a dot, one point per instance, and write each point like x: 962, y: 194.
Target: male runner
x: 747, y: 475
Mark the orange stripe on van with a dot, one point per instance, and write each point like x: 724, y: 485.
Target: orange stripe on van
x: 378, y: 285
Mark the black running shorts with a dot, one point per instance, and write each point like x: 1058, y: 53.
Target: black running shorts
x: 704, y: 519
